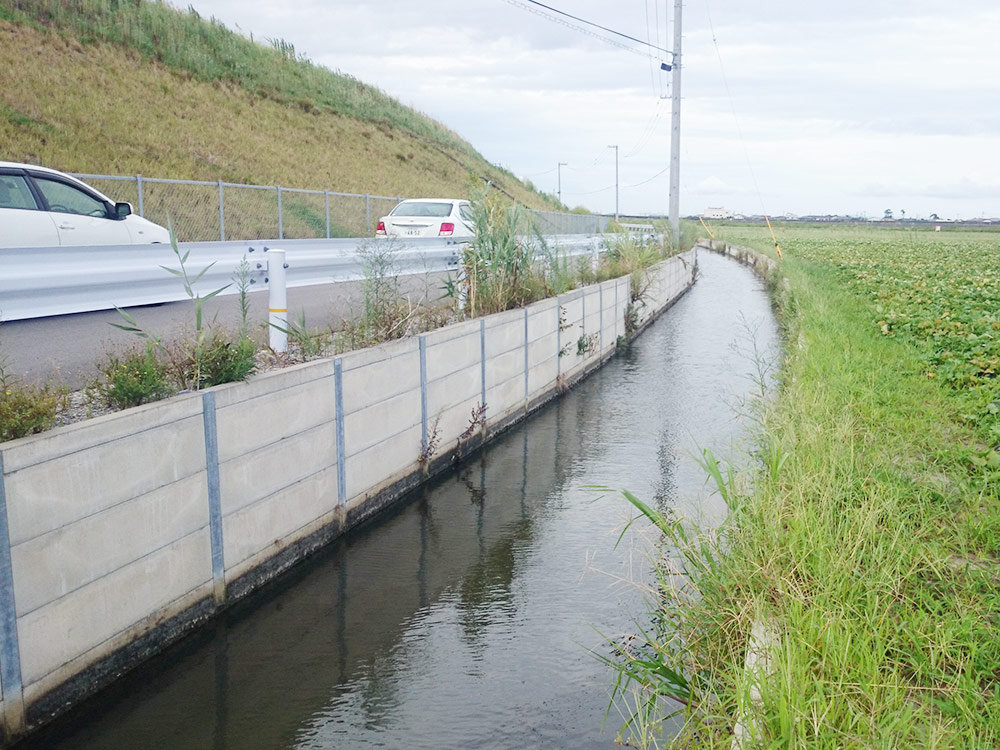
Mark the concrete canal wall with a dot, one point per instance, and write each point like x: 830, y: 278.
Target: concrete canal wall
x: 120, y: 534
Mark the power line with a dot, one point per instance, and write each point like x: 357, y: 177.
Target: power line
x: 526, y: 5
x: 732, y: 107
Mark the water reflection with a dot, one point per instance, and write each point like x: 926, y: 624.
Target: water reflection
x: 465, y: 618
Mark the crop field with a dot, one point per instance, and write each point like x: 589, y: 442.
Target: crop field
x: 863, y: 554
x: 937, y: 291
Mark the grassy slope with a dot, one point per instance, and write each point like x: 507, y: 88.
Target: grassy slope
x: 131, y: 107
x: 863, y: 544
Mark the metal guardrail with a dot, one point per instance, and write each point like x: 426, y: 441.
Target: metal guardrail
x: 38, y: 282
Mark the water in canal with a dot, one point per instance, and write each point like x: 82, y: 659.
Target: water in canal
x: 471, y: 617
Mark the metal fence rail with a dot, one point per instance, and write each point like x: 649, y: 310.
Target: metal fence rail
x: 202, y: 211
x: 37, y: 282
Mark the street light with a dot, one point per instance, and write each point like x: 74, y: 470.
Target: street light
x: 559, y: 176
x: 616, y: 180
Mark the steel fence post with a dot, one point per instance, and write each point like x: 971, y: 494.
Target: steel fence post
x: 10, y: 650
x: 222, y: 216
x: 368, y: 214
x: 326, y: 194
x: 138, y: 187
x: 281, y: 231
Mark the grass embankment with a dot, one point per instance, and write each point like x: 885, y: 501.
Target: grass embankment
x: 107, y: 87
x: 869, y: 544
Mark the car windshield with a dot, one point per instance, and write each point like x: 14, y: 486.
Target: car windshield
x: 419, y: 208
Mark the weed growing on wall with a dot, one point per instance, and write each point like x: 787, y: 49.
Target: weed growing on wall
x: 26, y: 409
x: 498, y: 270
x: 210, y: 356
x: 134, y: 377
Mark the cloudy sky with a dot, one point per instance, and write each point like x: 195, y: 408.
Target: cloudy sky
x: 788, y: 106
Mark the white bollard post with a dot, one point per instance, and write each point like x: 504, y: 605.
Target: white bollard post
x: 277, y: 301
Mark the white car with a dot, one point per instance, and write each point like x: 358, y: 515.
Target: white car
x: 428, y: 217
x: 41, y: 207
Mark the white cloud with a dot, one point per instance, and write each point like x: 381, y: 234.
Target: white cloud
x: 830, y: 100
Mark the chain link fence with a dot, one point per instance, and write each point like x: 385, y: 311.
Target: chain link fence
x: 209, y: 211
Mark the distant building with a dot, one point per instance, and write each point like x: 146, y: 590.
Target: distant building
x: 717, y: 213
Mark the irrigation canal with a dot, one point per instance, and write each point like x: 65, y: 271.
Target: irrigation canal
x: 471, y: 617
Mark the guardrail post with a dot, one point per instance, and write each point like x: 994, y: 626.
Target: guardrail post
x: 281, y: 231
x: 10, y: 652
x: 138, y: 187
x: 277, y: 301
x: 222, y: 216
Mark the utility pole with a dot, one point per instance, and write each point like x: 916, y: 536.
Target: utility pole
x: 675, y: 127
x: 559, y: 176
x: 616, y: 180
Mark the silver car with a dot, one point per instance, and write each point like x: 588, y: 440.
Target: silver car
x: 41, y: 207
x: 428, y: 217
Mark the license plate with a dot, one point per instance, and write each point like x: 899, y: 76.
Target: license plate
x: 412, y: 232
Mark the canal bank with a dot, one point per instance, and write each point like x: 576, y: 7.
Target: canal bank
x: 474, y: 615
x: 121, y: 534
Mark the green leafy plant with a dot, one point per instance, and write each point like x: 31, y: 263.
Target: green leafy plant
x: 305, y: 344
x: 212, y: 356
x: 26, y: 409
x: 134, y: 377
x: 498, y: 264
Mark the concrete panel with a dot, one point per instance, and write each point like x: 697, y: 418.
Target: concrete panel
x: 457, y: 388
x: 503, y: 367
x: 453, y: 421
x: 388, y: 352
x: 504, y: 338
x: 572, y: 309
x: 81, y: 436
x: 541, y: 376
x: 454, y: 355
x: 271, y: 523
x: 268, y: 384
x: 452, y: 332
x: 543, y: 349
x: 45, y: 497
x: 54, y: 564
x: 505, y: 396
x: 379, y: 381
x: 269, y: 418
x: 371, y: 426
x: 78, y: 622
x: 542, y: 320
x: 252, y: 476
x: 379, y: 463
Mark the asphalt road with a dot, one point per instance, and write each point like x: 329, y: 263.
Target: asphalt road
x: 65, y: 349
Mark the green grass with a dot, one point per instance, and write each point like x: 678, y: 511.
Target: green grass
x: 184, y: 97
x: 868, y: 543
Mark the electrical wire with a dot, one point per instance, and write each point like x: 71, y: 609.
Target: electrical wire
x: 640, y: 184
x: 647, y: 132
x: 527, y: 5
x: 732, y: 107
